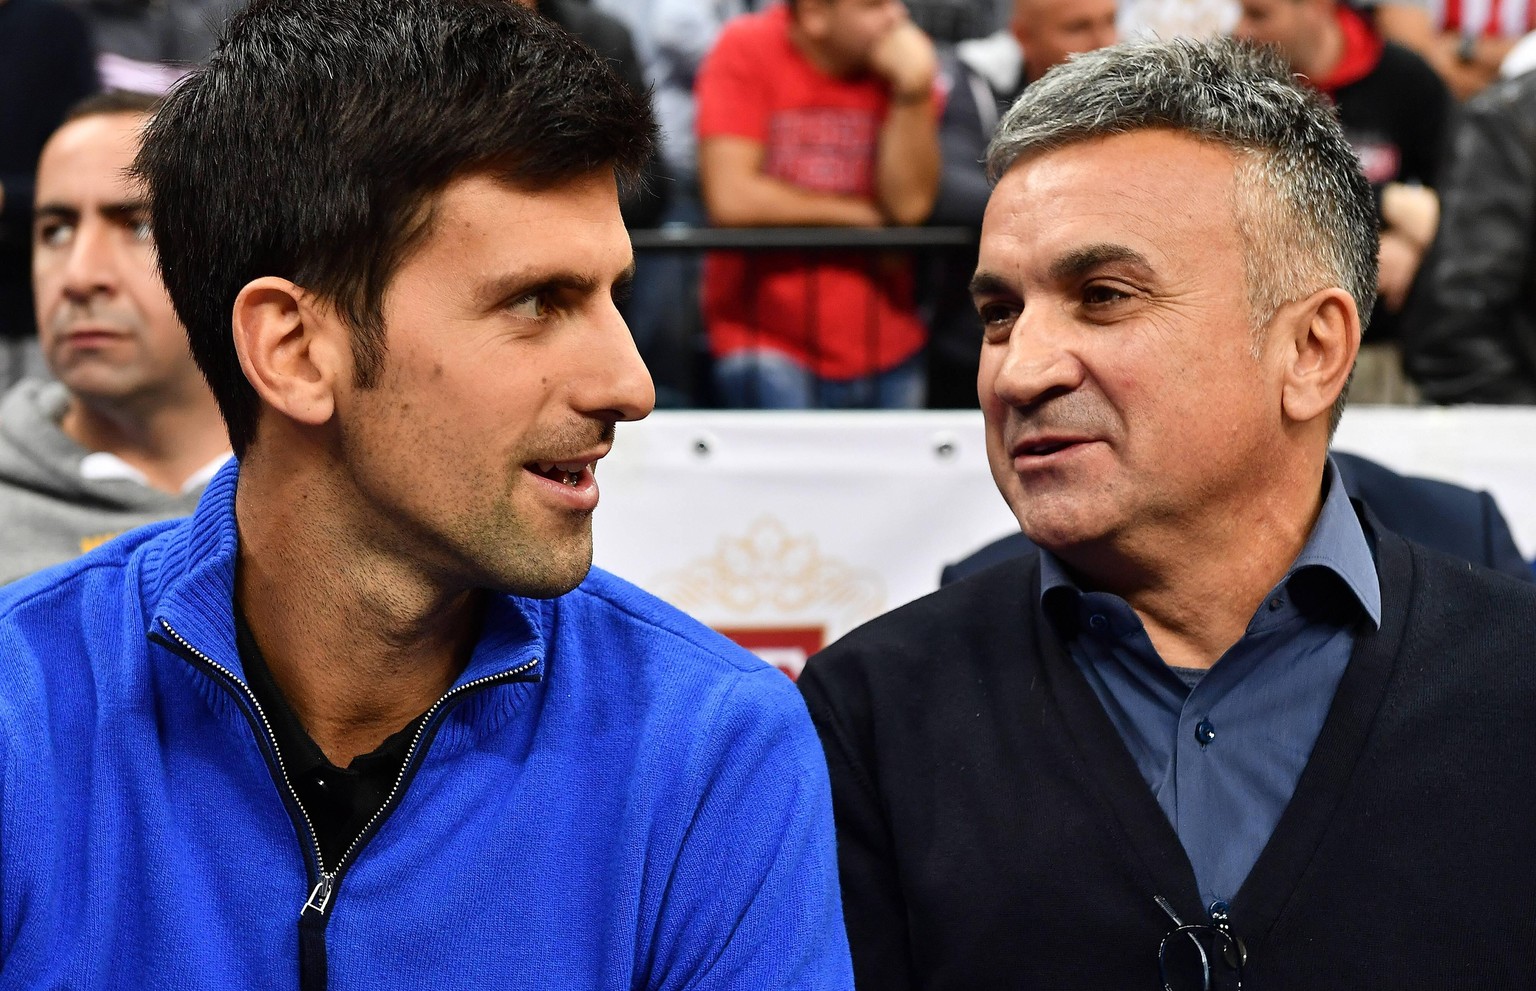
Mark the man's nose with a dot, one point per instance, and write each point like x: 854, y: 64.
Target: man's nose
x: 616, y: 385
x: 1039, y: 362
x: 91, y: 267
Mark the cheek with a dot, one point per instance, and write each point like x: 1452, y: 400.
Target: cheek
x: 47, y: 282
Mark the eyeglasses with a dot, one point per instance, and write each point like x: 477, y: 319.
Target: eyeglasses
x: 1185, y: 957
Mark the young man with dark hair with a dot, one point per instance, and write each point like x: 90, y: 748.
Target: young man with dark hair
x: 367, y: 717
x: 126, y: 433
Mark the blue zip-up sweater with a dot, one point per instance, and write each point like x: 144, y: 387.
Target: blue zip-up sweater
x: 611, y: 796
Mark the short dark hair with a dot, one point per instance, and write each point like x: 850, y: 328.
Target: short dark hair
x: 311, y: 144
x: 113, y: 102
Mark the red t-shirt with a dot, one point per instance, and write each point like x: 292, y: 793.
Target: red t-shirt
x: 842, y: 314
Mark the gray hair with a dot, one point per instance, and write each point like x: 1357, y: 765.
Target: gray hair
x: 1304, y: 210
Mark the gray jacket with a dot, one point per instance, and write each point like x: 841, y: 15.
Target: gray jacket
x: 48, y: 512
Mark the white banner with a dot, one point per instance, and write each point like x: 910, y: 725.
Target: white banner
x: 786, y: 530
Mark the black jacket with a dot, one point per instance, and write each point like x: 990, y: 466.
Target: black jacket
x: 994, y: 832
x: 1470, y: 332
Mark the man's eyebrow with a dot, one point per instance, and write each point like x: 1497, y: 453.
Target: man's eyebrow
x: 1080, y: 261
x: 116, y: 212
x: 54, y: 211
x: 514, y: 284
x: 125, y: 211
x: 1072, y: 265
x: 989, y: 284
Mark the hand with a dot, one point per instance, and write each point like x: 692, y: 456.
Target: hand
x: 1398, y: 262
x: 863, y: 213
x: 904, y: 58
x: 1410, y: 211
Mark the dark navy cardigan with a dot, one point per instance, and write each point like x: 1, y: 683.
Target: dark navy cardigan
x: 994, y: 832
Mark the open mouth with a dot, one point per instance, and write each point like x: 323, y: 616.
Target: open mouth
x: 568, y: 473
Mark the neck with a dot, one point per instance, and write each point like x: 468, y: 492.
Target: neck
x: 816, y: 53
x: 358, y: 643
x: 1197, y: 586
x: 167, y: 441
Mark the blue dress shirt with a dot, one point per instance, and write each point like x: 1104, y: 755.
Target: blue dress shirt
x: 1223, y: 752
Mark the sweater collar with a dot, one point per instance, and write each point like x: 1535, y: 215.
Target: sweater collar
x: 190, y: 582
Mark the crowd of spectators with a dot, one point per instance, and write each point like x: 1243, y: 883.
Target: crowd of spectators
x: 871, y: 115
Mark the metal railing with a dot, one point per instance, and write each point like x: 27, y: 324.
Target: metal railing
x: 682, y: 369
x: 801, y: 238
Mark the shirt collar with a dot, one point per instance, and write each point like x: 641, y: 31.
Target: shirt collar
x: 1337, y: 544
x: 104, y: 466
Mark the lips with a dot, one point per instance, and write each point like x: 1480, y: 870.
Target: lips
x: 91, y: 335
x: 569, y: 480
x: 568, y: 473
x: 1046, y: 445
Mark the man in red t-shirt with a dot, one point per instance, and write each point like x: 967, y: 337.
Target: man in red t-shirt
x: 817, y: 113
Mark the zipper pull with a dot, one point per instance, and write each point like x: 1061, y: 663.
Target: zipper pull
x: 319, y: 898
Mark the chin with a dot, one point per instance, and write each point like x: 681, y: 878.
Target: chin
x: 552, y: 579
x: 1059, y: 532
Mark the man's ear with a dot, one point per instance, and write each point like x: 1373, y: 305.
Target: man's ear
x: 1322, y: 336
x: 292, y: 349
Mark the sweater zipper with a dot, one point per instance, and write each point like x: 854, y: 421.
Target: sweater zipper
x: 315, y: 911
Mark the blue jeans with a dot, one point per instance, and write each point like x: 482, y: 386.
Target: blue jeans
x: 766, y: 379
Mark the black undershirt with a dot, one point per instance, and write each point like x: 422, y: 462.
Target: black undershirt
x: 339, y: 801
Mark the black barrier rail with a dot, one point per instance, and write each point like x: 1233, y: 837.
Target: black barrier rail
x: 801, y: 238
x: 673, y: 341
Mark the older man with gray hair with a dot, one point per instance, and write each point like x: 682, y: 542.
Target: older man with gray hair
x: 1225, y: 730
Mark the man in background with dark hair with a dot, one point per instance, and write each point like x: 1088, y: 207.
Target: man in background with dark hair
x: 368, y: 717
x: 129, y: 433
x: 47, y: 64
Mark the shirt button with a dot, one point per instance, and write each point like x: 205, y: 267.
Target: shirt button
x: 1276, y: 603
x: 1098, y: 622
x: 1205, y: 732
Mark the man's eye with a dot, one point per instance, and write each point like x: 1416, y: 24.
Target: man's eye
x: 141, y: 231
x: 994, y: 314
x: 1099, y: 294
x: 997, y: 320
x: 533, y: 306
x: 54, y: 235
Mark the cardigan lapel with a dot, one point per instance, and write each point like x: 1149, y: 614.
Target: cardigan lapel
x: 1341, y: 743
x: 1113, y: 776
